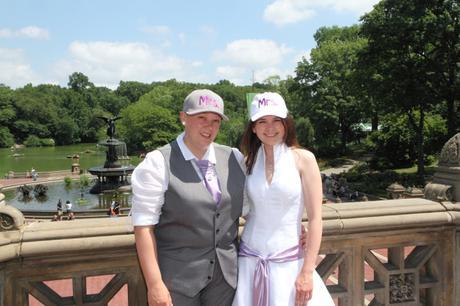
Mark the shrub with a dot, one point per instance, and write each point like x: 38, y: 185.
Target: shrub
x: 47, y: 142
x: 84, y: 181
x: 6, y: 138
x: 32, y: 141
x: 67, y: 181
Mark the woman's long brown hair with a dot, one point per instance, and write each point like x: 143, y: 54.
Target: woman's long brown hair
x: 250, y: 143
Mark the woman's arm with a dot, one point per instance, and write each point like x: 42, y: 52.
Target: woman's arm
x: 158, y: 294
x: 313, y: 196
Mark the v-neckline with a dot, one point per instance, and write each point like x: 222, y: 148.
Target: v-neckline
x: 267, y: 182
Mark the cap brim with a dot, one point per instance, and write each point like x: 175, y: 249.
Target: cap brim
x: 207, y: 111
x: 268, y: 113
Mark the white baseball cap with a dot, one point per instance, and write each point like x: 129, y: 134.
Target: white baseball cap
x: 268, y: 103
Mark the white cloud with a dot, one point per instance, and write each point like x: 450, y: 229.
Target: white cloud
x: 281, y: 12
x: 243, y: 60
x: 157, y: 30
x: 32, y: 32
x: 14, y: 70
x: 359, y: 7
x: 262, y: 74
x: 253, y: 53
x: 107, y: 63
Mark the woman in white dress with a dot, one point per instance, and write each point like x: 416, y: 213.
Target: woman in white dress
x: 282, y: 181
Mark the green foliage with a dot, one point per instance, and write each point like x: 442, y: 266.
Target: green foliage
x: 327, y: 87
x: 363, y: 179
x: 145, y: 125
x: 305, y: 132
x: 6, y: 138
x: 132, y: 90
x: 231, y: 132
x: 394, y: 144
x: 79, y: 82
x: 32, y: 141
x: 67, y: 181
x: 413, y: 54
x: 84, y: 181
x: 47, y: 142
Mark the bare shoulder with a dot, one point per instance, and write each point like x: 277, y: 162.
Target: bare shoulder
x: 304, y: 156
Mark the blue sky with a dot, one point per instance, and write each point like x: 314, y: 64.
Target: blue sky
x: 44, y: 41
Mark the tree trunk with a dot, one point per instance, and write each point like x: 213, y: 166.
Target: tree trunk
x: 419, y: 141
x: 375, y: 121
x: 451, y: 126
x: 421, y: 157
x: 343, y: 136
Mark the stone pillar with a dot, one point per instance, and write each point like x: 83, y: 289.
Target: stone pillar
x: 395, y: 191
x: 448, y: 171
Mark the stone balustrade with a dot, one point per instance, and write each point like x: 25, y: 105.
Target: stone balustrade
x: 390, y: 252
x: 400, y: 252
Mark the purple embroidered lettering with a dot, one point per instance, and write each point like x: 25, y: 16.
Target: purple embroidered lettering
x: 205, y: 100
x: 267, y: 102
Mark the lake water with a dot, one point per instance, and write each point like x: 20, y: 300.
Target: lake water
x: 58, y: 190
x: 53, y: 158
x: 50, y: 158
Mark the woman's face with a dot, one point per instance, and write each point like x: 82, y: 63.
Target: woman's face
x: 200, y: 131
x: 270, y: 130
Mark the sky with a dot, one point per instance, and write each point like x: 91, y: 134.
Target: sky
x: 198, y: 41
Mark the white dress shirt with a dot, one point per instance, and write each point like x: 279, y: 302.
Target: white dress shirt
x: 150, y: 180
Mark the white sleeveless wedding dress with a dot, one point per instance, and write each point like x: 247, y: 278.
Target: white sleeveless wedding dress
x: 273, y: 225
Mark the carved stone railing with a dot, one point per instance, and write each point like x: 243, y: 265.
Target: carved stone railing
x: 394, y: 252
x: 84, y: 262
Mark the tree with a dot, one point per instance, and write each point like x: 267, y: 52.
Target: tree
x: 413, y: 47
x: 6, y: 138
x: 7, y: 116
x: 145, y: 125
x: 79, y: 82
x: 328, y: 87
x: 132, y: 90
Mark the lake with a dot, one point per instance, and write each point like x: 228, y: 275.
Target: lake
x: 58, y: 190
x: 53, y: 158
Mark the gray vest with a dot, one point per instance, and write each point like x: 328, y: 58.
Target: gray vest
x: 194, y: 234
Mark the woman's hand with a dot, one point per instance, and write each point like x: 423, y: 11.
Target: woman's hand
x: 159, y: 296
x: 303, y: 288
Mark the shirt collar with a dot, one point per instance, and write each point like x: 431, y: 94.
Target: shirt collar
x: 210, y: 154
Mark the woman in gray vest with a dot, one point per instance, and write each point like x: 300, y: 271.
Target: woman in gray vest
x: 187, y: 200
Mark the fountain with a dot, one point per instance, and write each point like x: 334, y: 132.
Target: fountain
x: 113, y: 174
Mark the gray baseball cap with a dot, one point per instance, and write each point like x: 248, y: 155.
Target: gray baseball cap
x: 204, y: 100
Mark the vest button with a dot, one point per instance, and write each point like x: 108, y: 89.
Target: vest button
x: 217, y: 231
x: 211, y: 262
x: 209, y: 277
x: 217, y: 215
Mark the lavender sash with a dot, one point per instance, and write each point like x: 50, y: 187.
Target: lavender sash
x: 261, y: 285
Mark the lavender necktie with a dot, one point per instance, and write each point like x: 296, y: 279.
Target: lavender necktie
x: 210, y: 179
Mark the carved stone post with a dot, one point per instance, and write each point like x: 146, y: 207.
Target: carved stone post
x: 446, y: 180
x: 11, y: 222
